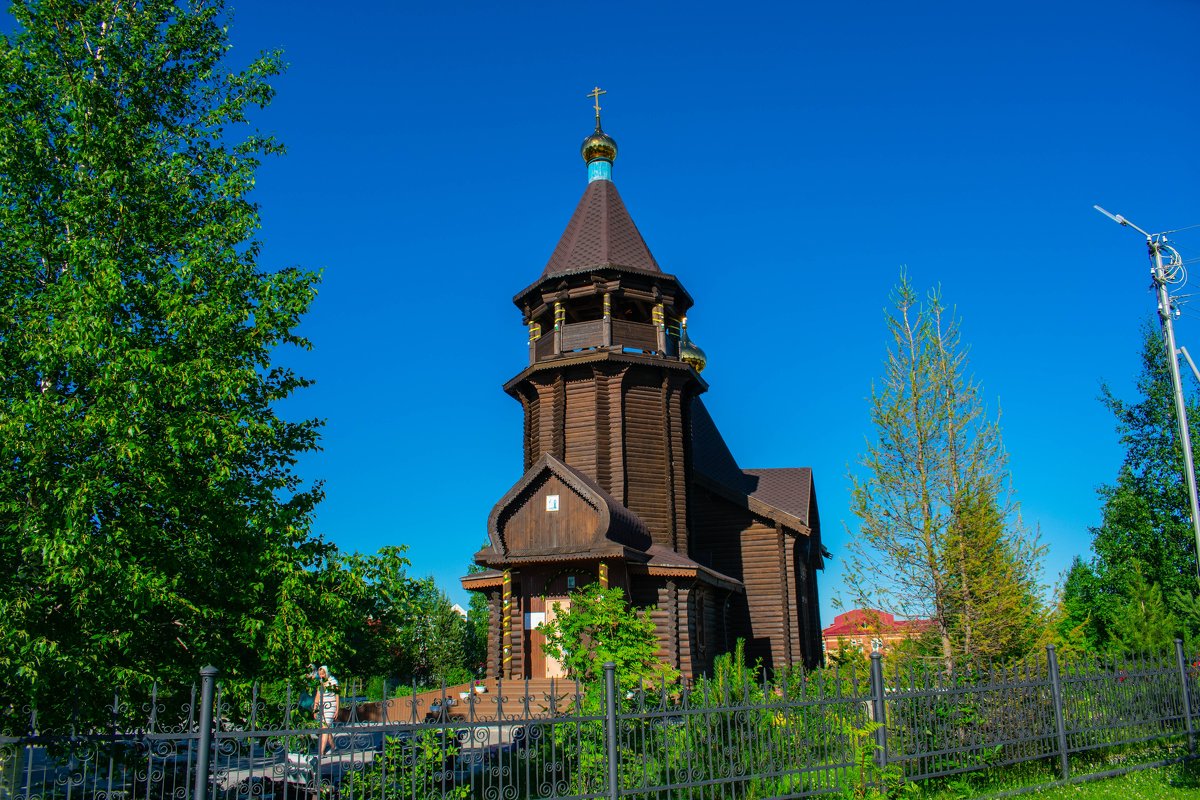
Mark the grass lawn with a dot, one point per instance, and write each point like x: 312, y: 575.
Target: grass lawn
x: 1167, y: 783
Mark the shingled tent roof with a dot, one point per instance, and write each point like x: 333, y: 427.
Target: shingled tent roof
x: 783, y: 495
x: 600, y: 234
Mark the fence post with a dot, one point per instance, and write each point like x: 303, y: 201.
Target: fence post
x: 1187, y: 695
x: 1056, y: 690
x: 208, y: 677
x: 610, y: 725
x: 878, y: 710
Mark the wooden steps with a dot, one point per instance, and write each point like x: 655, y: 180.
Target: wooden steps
x: 536, y: 697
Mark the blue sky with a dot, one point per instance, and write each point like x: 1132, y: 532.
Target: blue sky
x: 785, y: 161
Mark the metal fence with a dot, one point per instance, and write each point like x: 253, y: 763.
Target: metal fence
x: 798, y: 734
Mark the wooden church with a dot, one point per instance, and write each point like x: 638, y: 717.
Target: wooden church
x: 627, y: 480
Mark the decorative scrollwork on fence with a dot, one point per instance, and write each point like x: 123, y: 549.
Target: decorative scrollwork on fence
x: 794, y: 733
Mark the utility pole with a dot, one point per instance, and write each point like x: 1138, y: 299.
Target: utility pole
x: 1156, y: 243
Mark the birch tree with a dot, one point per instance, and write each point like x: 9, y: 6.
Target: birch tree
x: 150, y: 512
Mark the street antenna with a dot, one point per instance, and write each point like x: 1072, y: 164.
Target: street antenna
x: 1163, y: 274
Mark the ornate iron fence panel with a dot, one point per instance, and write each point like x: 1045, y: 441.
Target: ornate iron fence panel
x: 516, y: 743
x: 155, y: 761
x: 940, y: 725
x: 796, y: 734
x: 1121, y: 701
x: 741, y: 738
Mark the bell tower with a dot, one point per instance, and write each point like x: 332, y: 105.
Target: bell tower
x: 611, y: 375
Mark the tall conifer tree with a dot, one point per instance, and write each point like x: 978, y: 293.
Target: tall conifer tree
x: 938, y: 535
x: 1147, y: 517
x: 1145, y: 536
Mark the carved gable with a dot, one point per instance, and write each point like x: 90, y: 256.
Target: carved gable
x: 556, y: 510
x: 548, y: 517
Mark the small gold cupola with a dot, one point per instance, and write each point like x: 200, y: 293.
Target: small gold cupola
x: 690, y: 353
x: 599, y: 150
x: 599, y: 145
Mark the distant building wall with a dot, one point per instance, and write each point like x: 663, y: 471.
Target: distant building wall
x: 870, y: 630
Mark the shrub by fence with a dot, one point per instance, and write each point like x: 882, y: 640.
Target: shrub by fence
x: 795, y: 735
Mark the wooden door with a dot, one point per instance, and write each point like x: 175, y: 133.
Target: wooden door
x: 535, y: 657
x: 553, y: 667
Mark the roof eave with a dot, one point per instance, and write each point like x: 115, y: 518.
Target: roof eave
x: 753, y: 504
x: 604, y: 355
x: 683, y: 301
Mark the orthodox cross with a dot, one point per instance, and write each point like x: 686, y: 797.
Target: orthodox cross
x: 595, y: 95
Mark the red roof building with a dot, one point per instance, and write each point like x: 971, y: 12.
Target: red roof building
x: 870, y: 630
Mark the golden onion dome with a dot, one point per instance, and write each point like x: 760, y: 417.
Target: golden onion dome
x: 690, y: 353
x: 598, y: 145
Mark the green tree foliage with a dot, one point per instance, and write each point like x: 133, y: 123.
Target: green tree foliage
x: 365, y: 614
x: 371, y: 622
x: 993, y: 593
x: 1082, y: 621
x: 1145, y: 537
x: 351, y: 611
x: 151, y: 519
x: 600, y: 626
x: 388, y: 614
x: 938, y: 535
x: 1147, y: 517
x: 478, y: 625
x: 442, y: 645
x: 1143, y: 623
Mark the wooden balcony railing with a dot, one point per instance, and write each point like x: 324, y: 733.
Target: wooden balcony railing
x: 618, y: 334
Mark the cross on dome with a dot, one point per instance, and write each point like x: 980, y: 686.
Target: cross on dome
x: 595, y: 95
x: 598, y: 150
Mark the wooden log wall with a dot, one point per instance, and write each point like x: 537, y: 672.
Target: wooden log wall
x: 580, y: 420
x: 558, y: 420
x: 544, y: 347
x: 811, y: 558
x: 531, y: 402
x: 646, y: 466
x: 810, y: 624
x: 706, y: 634
x: 647, y: 592
x: 626, y: 425
x: 493, y: 664
x: 716, y: 526
x: 635, y: 335
x: 676, y: 407
x: 781, y: 626
x: 814, y: 652
x: 602, y: 431
x: 582, y: 335
x: 667, y: 623
x: 791, y: 649
x: 760, y: 556
x: 517, y: 666
x: 685, y: 661
x: 615, y: 438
